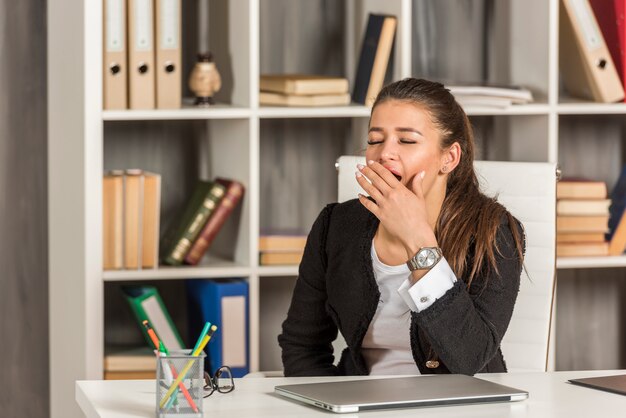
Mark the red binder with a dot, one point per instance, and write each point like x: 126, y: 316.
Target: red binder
x: 610, y: 17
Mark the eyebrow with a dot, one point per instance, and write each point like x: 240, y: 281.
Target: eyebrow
x: 401, y: 129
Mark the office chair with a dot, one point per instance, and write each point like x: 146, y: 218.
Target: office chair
x: 528, y: 191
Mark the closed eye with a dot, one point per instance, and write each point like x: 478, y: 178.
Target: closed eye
x: 374, y: 142
x: 408, y: 141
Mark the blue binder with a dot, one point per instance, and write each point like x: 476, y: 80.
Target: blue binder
x: 223, y: 302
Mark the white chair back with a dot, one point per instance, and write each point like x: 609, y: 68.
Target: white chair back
x: 528, y: 191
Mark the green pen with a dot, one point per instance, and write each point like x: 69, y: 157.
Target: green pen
x: 202, y: 334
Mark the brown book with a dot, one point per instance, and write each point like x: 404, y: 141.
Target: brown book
x: 303, y: 84
x: 129, y: 359
x: 277, y: 99
x: 112, y: 220
x: 585, y: 249
x: 583, y: 207
x: 133, y: 375
x: 582, y: 223
x: 232, y: 196
x: 151, y: 220
x: 289, y: 243
x: 580, y: 237
x: 581, y: 189
x: 618, y: 240
x: 280, y: 258
x: 133, y: 212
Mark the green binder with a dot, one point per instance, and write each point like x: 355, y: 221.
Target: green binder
x: 146, y: 303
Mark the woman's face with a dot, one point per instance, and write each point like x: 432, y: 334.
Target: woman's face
x: 404, y: 140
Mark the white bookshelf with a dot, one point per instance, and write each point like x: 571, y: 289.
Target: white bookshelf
x: 528, y: 56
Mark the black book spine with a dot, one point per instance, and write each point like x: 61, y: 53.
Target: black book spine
x: 366, y: 59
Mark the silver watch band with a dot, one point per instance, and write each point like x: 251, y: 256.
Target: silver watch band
x: 413, y: 264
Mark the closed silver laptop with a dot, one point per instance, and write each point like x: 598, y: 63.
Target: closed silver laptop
x: 400, y: 392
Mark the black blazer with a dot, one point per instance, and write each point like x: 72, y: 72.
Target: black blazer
x: 336, y: 290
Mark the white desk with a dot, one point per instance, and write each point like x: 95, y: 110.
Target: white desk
x: 549, y: 396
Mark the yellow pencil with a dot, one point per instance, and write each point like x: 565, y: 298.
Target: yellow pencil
x: 183, y: 372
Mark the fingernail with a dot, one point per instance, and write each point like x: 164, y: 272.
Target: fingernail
x: 370, y: 162
x: 422, y: 174
x: 358, y: 174
x: 360, y: 166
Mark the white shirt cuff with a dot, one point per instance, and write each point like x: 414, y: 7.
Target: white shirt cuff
x: 429, y: 288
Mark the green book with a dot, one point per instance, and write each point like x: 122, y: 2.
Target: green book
x: 203, y: 202
x: 146, y: 303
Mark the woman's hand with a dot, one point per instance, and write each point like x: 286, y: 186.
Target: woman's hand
x: 401, y: 211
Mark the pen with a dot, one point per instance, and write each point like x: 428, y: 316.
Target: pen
x: 151, y: 334
x: 202, y: 334
x: 183, y: 373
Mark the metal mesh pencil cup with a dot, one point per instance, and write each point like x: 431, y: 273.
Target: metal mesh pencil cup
x: 180, y: 382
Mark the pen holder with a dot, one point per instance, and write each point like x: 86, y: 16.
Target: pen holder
x: 180, y: 382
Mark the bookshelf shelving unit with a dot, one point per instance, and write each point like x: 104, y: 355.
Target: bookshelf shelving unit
x: 227, y: 140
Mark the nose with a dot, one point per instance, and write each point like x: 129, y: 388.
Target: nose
x: 389, y: 150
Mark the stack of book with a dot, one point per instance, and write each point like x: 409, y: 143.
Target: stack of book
x: 129, y: 363
x: 303, y: 90
x: 582, y: 211
x: 209, y: 207
x: 131, y: 211
x: 489, y: 95
x: 281, y: 248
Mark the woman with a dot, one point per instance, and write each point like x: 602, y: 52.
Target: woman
x: 422, y: 276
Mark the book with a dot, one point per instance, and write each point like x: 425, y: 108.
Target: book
x: 374, y: 57
x: 610, y: 17
x: 277, y: 99
x: 204, y: 200
x: 582, y: 223
x: 585, y: 249
x: 151, y: 217
x: 280, y: 258
x: 223, y: 302
x: 125, y: 359
x: 586, y: 65
x: 580, y: 189
x: 617, y: 221
x: 112, y: 220
x: 580, y: 237
x: 516, y: 94
x: 146, y: 303
x: 132, y: 375
x: 303, y: 84
x: 282, y: 242
x: 582, y: 207
x: 233, y: 194
x: 133, y: 212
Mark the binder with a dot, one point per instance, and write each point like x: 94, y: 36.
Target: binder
x: 151, y: 216
x: 140, y: 54
x: 586, y: 64
x: 168, y: 54
x: 112, y: 217
x: 223, y: 302
x: 146, y: 303
x: 133, y: 214
x: 610, y: 17
x: 115, y: 62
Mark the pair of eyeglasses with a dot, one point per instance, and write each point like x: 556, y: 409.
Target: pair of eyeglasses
x: 222, y: 381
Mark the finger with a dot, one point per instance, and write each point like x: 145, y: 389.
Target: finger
x: 368, y: 187
x: 417, y: 184
x: 384, y: 173
x: 369, y: 205
x: 375, y: 179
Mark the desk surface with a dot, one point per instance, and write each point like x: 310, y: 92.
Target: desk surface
x: 549, y: 396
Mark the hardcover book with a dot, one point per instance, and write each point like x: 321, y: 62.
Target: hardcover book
x: 277, y: 99
x: 303, y: 84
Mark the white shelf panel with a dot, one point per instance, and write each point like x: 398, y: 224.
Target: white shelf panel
x: 211, y: 268
x: 350, y: 111
x: 528, y: 109
x: 278, y: 271
x: 571, y: 106
x: 590, y: 262
x: 187, y: 112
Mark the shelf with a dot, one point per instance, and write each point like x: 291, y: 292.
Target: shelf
x: 187, y: 112
x: 211, y: 268
x: 278, y: 271
x: 350, y: 111
x: 590, y: 262
x: 572, y: 106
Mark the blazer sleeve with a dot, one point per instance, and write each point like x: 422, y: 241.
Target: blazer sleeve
x: 465, y: 327
x: 308, y: 331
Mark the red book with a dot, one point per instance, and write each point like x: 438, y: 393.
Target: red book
x: 610, y: 17
x: 232, y: 197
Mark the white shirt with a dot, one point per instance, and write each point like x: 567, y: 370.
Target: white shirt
x: 386, y: 346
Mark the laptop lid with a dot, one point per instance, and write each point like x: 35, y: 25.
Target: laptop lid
x: 399, y: 392
x: 615, y: 384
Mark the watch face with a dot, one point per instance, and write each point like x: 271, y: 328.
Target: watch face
x: 426, y: 258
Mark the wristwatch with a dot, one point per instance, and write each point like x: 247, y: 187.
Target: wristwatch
x: 425, y: 259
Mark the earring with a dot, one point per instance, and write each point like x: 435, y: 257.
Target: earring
x: 444, y: 169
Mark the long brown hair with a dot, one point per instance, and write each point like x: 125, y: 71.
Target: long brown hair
x: 468, y: 219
